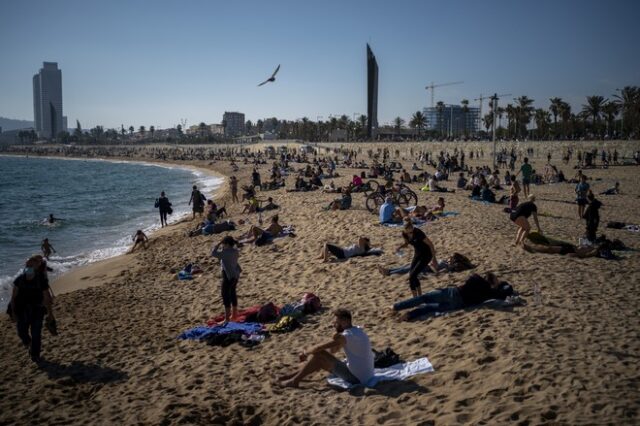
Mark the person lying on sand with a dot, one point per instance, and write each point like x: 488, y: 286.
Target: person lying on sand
x: 455, y: 263
x: 612, y: 191
x: 601, y: 247
x: 352, y: 339
x: 139, y: 238
x: 254, y: 233
x: 474, y: 291
x: 329, y: 250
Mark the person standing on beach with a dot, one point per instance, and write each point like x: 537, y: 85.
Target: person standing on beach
x: 233, y: 185
x: 47, y: 248
x: 424, y: 254
x: 165, y: 208
x: 30, y: 301
x: 526, y: 171
x: 198, y: 201
x: 592, y: 216
x: 230, y: 272
x: 582, y: 188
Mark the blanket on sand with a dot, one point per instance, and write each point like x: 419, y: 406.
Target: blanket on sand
x: 400, y: 371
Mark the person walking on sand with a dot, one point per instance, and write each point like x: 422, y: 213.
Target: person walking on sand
x: 526, y: 171
x: 582, y: 188
x: 520, y: 216
x: 230, y: 271
x: 233, y: 185
x: 165, y: 208
x: 424, y: 254
x: 139, y: 238
x: 197, y: 199
x: 356, y: 345
x: 47, y: 248
x: 30, y: 301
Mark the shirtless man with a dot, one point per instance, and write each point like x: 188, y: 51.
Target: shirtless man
x: 47, y: 248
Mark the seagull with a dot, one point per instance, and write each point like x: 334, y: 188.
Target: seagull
x: 270, y: 79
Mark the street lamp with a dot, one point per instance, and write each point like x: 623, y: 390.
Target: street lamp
x: 621, y: 112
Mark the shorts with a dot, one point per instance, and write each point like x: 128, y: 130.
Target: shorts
x: 336, y: 251
x: 513, y: 216
x: 581, y: 201
x: 526, y: 181
x: 228, y: 290
x: 341, y: 370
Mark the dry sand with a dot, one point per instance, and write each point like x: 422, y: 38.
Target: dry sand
x: 573, y: 360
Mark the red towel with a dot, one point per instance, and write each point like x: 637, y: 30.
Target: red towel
x: 242, y: 316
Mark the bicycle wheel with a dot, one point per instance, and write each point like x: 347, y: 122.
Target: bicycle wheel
x: 374, y: 185
x: 374, y: 201
x: 407, y: 199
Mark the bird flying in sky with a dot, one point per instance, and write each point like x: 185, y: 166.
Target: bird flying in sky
x: 270, y: 79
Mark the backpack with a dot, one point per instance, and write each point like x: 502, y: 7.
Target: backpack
x: 285, y: 325
x: 385, y: 359
x: 459, y: 263
x: 311, y: 303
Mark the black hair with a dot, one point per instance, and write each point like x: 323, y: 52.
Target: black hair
x: 342, y: 314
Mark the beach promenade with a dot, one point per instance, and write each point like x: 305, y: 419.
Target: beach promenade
x: 570, y: 359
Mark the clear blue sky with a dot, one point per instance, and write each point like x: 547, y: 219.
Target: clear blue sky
x: 155, y: 62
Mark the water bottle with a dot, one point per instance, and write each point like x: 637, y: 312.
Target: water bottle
x: 537, y: 295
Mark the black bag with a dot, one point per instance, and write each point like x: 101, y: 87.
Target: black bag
x: 169, y: 210
x: 385, y: 359
x: 157, y: 204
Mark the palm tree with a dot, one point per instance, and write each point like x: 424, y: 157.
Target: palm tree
x: 398, y: 123
x: 555, y: 110
x: 440, y: 110
x: 142, y: 130
x: 465, y: 111
x: 543, y: 118
x: 511, y: 114
x: 593, y: 110
x: 362, y: 120
x: 629, y: 102
x: 131, y: 130
x: 610, y: 110
x: 488, y: 121
x: 418, y: 121
x: 152, y: 130
x: 564, y: 110
x: 78, y: 131
x: 524, y: 111
x: 122, y: 130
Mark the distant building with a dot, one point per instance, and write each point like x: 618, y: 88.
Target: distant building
x: 210, y: 129
x: 234, y: 123
x: 452, y: 120
x: 372, y: 94
x: 47, y: 101
x: 65, y: 124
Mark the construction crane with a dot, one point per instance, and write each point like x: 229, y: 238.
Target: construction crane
x: 494, y: 104
x: 433, y: 86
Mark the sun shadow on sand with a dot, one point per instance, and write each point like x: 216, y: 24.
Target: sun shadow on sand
x: 391, y: 389
x: 79, y: 372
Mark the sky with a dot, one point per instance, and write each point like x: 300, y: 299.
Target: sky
x: 149, y: 63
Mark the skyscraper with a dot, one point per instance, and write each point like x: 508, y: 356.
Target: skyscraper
x: 47, y: 101
x: 372, y: 94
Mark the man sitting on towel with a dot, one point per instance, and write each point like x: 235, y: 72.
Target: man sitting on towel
x: 359, y: 366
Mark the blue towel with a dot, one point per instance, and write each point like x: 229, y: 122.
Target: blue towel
x: 448, y: 214
x: 416, y: 222
x: 201, y: 332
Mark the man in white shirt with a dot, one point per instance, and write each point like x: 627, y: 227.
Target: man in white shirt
x: 353, y: 340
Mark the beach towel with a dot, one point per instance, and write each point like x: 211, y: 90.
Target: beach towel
x: 184, y: 275
x: 202, y: 332
x: 400, y: 371
x: 246, y: 315
x: 480, y: 200
x: 447, y: 214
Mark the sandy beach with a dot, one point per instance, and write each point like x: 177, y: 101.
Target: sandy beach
x: 573, y: 359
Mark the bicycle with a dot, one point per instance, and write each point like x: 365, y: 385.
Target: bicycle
x: 403, y: 197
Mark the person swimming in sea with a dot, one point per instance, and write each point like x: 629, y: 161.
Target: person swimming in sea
x: 52, y: 219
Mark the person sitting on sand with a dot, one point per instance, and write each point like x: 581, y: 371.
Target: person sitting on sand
x: 269, y: 206
x: 520, y: 217
x: 212, y: 212
x: 474, y: 291
x: 329, y: 250
x: 254, y: 233
x: 252, y: 205
x: 47, y: 248
x: 433, y: 186
x: 139, y: 238
x: 352, y: 339
x: 612, y: 191
x: 389, y: 213
x: 462, y: 182
x: 230, y: 272
x: 342, y: 203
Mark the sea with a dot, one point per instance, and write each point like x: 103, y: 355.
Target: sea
x: 101, y: 203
